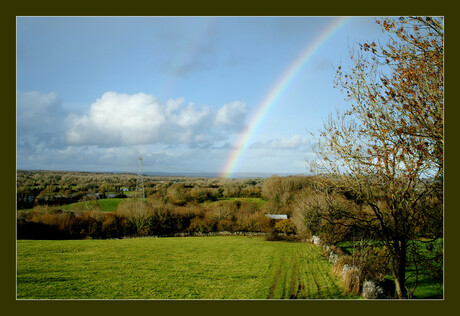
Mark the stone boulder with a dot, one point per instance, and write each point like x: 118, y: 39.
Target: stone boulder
x: 346, y: 268
x: 317, y: 240
x: 380, y: 290
x: 333, y: 257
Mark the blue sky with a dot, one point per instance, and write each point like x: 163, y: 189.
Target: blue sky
x: 94, y: 93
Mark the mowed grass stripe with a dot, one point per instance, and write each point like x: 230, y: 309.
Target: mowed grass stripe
x: 221, y: 267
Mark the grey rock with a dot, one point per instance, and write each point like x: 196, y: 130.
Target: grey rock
x: 317, y: 240
x: 333, y: 257
x: 381, y: 290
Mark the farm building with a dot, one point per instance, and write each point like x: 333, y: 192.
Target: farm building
x: 277, y: 216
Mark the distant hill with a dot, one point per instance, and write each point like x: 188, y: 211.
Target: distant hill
x: 238, y: 175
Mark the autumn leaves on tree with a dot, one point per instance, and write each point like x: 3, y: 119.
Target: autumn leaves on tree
x: 386, y: 150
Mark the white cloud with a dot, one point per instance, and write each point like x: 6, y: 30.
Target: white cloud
x: 190, y: 116
x: 229, y: 115
x: 121, y: 119
x: 175, y: 135
x: 173, y: 105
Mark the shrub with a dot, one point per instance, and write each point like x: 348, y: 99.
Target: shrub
x: 227, y: 225
x: 284, y: 226
x: 91, y: 224
x: 273, y: 236
x: 170, y: 222
x: 136, y: 212
x: 201, y: 195
x: 375, y: 263
x: 111, y: 227
x: 203, y: 225
x: 264, y: 223
x: 177, y: 194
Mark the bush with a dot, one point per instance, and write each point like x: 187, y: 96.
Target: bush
x: 203, y: 225
x: 375, y: 263
x: 284, y: 226
x: 227, y: 225
x: 273, y: 236
x: 200, y: 195
x: 177, y: 194
x: 111, y: 226
x: 257, y: 222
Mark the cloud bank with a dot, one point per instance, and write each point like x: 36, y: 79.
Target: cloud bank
x: 173, y: 136
x: 120, y: 119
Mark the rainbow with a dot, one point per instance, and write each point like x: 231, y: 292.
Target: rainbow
x: 276, y: 91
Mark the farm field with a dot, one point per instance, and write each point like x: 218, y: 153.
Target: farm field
x: 258, y: 201
x: 106, y: 205
x: 110, y: 204
x: 221, y: 267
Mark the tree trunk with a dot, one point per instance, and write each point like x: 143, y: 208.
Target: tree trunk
x: 399, y: 269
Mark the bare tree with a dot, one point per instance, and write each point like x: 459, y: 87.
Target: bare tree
x: 386, y: 150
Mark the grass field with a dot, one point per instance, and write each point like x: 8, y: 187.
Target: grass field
x: 106, y: 205
x: 110, y: 204
x: 258, y: 201
x: 225, y: 267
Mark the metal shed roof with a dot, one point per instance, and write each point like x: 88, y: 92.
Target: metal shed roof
x: 277, y: 216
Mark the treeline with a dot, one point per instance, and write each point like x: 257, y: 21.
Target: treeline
x: 137, y: 218
x: 62, y: 187
x: 194, y: 205
x: 173, y: 205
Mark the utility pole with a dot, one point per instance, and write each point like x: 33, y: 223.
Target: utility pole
x: 140, y: 180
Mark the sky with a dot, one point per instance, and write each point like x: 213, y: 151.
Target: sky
x: 189, y: 94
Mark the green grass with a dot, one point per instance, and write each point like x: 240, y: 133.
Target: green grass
x: 224, y: 267
x: 106, y: 205
x: 426, y: 287
x: 258, y: 201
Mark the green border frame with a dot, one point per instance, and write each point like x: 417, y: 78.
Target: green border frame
x: 238, y: 8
